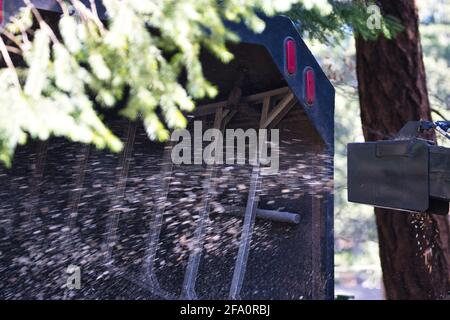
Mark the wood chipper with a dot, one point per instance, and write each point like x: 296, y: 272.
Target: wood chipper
x: 407, y: 173
x: 137, y: 225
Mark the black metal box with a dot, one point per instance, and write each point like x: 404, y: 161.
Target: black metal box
x: 410, y: 175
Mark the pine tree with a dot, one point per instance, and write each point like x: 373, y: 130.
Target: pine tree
x: 392, y: 88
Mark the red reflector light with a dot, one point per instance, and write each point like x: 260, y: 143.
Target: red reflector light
x: 291, y: 56
x: 1, y: 11
x: 310, y: 86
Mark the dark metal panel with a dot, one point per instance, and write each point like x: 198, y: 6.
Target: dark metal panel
x: 440, y: 173
x: 392, y: 174
x: 409, y: 173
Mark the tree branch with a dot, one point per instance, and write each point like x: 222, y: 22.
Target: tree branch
x: 9, y: 63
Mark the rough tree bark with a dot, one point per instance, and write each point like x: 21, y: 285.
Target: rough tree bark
x: 414, y: 248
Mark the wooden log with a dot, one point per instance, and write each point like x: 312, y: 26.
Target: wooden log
x: 272, y: 215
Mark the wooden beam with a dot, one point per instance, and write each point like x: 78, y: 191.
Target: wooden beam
x: 271, y: 215
x: 265, y: 111
x: 282, y: 114
x: 219, y: 118
x: 206, y: 109
x: 278, y: 109
x: 271, y: 93
x: 227, y: 118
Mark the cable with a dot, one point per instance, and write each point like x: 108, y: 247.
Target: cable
x: 443, y: 127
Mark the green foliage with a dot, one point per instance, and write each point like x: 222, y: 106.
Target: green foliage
x: 135, y: 60
x: 346, y: 17
x: 435, y: 36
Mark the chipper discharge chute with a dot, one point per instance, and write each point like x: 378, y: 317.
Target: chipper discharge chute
x: 407, y: 173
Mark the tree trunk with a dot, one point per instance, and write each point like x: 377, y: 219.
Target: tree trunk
x: 414, y: 248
